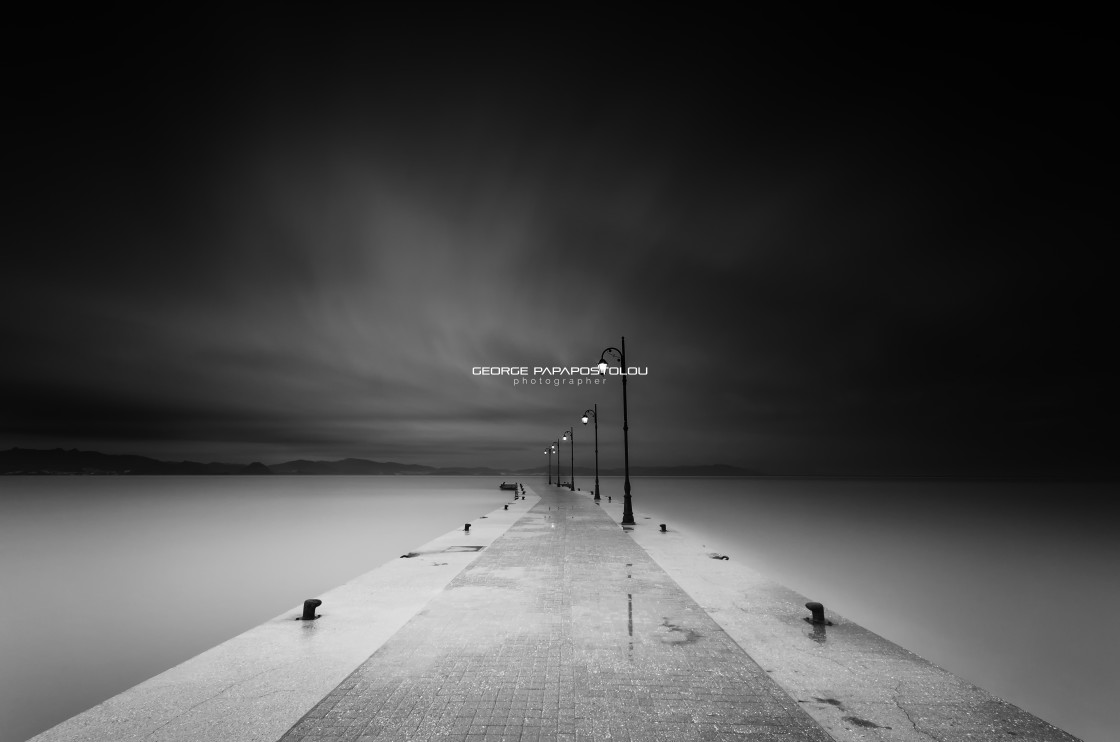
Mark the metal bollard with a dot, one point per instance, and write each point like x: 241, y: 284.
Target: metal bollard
x: 663, y: 528
x: 309, y: 607
x: 467, y: 527
x: 506, y: 506
x: 818, y: 613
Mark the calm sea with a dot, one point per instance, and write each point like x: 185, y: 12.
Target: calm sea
x: 109, y: 581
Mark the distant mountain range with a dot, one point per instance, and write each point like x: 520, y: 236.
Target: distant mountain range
x: 73, y: 462
x: 59, y: 461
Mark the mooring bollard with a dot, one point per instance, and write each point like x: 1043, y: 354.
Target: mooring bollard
x: 467, y: 527
x: 818, y: 612
x: 507, y: 505
x: 663, y: 528
x: 309, y: 607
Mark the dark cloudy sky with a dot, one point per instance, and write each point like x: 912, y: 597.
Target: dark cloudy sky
x: 834, y: 252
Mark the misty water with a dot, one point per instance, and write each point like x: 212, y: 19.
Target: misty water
x: 110, y: 580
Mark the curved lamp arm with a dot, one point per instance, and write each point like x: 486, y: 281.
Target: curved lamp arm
x: 603, y: 359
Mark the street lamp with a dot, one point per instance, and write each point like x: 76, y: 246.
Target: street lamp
x: 569, y: 435
x: 556, y: 448
x: 627, y: 510
x: 594, y: 415
x: 549, y: 452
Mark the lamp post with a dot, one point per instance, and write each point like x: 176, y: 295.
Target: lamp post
x: 594, y: 415
x: 556, y: 448
x: 627, y: 510
x: 549, y: 452
x: 571, y: 437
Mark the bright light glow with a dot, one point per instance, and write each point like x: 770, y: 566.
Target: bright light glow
x: 602, y: 366
x: 584, y: 418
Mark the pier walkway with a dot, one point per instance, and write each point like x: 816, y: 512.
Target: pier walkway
x: 562, y: 629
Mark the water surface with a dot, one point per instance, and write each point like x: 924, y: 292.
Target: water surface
x: 111, y: 580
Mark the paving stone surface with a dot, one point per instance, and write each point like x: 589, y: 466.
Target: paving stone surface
x: 563, y: 629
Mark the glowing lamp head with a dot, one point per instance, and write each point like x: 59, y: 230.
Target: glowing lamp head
x: 584, y: 419
x: 564, y: 438
x: 602, y: 365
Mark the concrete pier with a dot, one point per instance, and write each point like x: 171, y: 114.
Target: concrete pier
x: 563, y: 629
x: 549, y: 621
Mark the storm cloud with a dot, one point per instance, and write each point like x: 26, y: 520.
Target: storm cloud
x: 264, y: 243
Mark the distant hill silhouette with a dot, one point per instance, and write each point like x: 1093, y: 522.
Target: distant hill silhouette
x: 73, y: 461
x: 348, y: 466
x: 59, y: 461
x: 707, y: 470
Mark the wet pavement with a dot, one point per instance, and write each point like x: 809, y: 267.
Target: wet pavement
x: 562, y: 629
